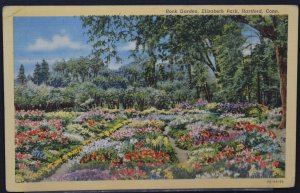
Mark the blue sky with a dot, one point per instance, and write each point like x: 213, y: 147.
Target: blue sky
x: 53, y: 39
x: 57, y: 38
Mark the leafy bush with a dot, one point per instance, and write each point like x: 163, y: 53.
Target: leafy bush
x: 213, y: 107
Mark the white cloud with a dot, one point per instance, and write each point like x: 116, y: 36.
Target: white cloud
x: 248, y: 49
x: 129, y: 46
x: 57, y: 41
x: 114, y: 66
x: 26, y: 61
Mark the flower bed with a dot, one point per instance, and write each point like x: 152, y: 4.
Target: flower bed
x: 40, y: 142
x: 105, y: 145
x: 96, y: 115
x: 34, y: 115
x: 131, y: 131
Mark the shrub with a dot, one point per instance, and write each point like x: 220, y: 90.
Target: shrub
x: 213, y: 107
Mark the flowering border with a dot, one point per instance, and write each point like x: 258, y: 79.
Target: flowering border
x: 47, y: 170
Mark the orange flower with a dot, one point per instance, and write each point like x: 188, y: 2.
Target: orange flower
x: 127, y: 156
x: 94, y: 156
x: 103, y: 157
x: 91, y: 123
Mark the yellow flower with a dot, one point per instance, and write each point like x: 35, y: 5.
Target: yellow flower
x: 278, y: 172
x: 154, y: 143
x: 106, y: 133
x: 168, y: 174
x: 19, y: 178
x: 185, y: 166
x: 148, y: 140
x: 159, y: 138
x: 252, y: 170
x: 166, y: 141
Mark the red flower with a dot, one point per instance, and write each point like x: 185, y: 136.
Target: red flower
x: 224, y: 153
x: 210, y: 160
x: 20, y: 156
x: 275, y: 163
x: 250, y: 159
x: 129, y: 172
x: 263, y: 164
x: 272, y: 134
x: 258, y: 157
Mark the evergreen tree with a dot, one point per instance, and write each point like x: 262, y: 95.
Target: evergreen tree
x: 161, y: 72
x: 44, y: 72
x: 21, y: 75
x: 37, y: 74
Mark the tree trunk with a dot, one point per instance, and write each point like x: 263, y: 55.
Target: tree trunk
x: 249, y: 94
x: 258, y: 89
x: 282, y: 68
x: 189, y: 71
x: 207, y: 92
x: 198, y: 90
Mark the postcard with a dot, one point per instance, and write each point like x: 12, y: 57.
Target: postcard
x: 150, y: 97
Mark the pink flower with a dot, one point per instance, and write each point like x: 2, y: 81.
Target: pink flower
x: 263, y: 164
x: 22, y: 166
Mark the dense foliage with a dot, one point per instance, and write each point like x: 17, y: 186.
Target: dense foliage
x: 219, y: 62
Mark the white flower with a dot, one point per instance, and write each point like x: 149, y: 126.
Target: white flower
x: 133, y: 141
x: 98, y: 144
x: 73, y: 137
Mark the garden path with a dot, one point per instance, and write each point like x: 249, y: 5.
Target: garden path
x: 181, y: 154
x: 63, y: 169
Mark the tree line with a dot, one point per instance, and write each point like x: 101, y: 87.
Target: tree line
x: 179, y: 58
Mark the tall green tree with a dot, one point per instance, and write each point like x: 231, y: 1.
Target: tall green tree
x: 37, y: 74
x: 96, y: 64
x: 21, y: 75
x: 162, y: 73
x: 161, y: 37
x: 45, y: 72
x: 228, y: 54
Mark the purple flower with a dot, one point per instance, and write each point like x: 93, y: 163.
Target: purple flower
x: 83, y: 175
x: 97, y: 114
